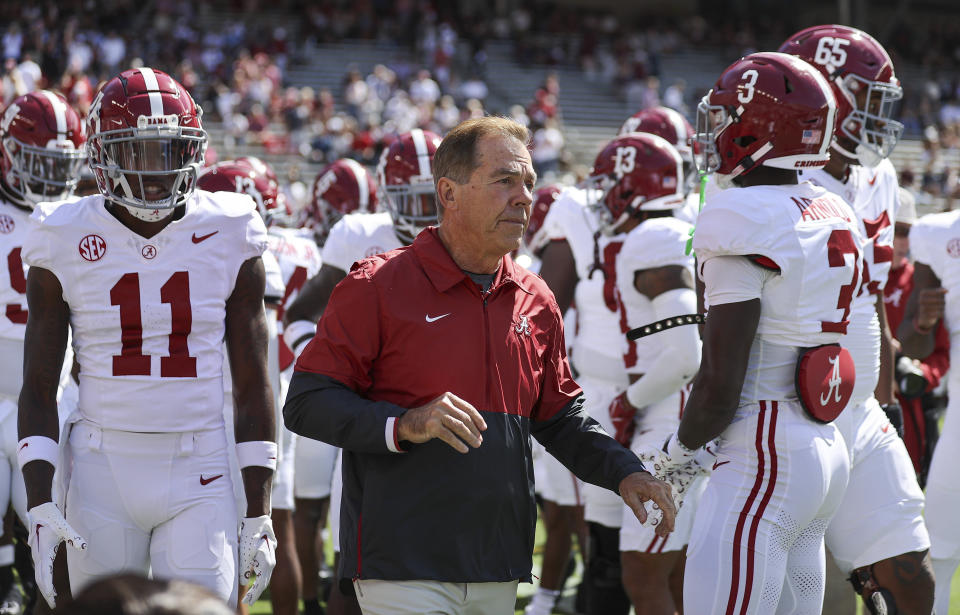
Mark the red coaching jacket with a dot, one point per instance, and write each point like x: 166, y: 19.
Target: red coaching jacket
x: 401, y: 329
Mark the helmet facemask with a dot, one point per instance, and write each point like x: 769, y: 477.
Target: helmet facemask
x: 413, y: 208
x: 869, y: 125
x: 39, y: 174
x: 150, y: 170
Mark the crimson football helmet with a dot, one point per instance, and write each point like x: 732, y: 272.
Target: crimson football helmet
x: 861, y: 74
x: 41, y: 144
x: 535, y: 237
x: 258, y: 181
x: 672, y: 126
x: 769, y: 109
x: 636, y: 172
x: 340, y: 188
x: 146, y: 142
x: 405, y: 175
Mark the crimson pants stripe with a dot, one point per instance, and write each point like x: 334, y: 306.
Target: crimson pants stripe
x: 771, y: 484
x: 742, y: 520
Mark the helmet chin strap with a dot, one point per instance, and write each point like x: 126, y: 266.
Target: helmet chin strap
x: 149, y: 215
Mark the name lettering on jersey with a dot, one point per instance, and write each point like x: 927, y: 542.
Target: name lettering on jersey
x: 148, y: 251
x: 7, y: 224
x: 953, y: 248
x: 819, y: 209
x: 92, y: 247
x: 523, y: 327
x: 834, y: 383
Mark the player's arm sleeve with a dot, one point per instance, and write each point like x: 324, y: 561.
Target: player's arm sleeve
x: 560, y: 423
x: 732, y: 279
x: 325, y: 400
x: 679, y: 355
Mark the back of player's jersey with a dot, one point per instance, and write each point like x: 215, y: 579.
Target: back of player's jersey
x: 810, y: 236
x: 14, y: 223
x: 148, y: 314
x: 357, y: 236
x: 873, y: 195
x: 599, y: 344
x: 935, y: 242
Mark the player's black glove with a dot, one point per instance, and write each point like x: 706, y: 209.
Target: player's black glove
x: 911, y: 381
x: 895, y: 415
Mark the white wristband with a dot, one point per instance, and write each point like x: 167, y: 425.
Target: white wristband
x: 257, y: 453
x: 297, y: 334
x: 32, y: 448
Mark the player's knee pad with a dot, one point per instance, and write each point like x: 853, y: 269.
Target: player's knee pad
x: 878, y: 600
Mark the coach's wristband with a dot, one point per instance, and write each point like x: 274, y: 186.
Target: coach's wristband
x: 32, y: 448
x: 257, y: 453
x: 297, y: 334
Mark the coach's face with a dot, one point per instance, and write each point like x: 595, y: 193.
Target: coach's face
x: 494, y: 205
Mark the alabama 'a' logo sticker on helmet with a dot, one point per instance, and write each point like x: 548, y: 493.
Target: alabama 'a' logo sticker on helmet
x: 92, y: 248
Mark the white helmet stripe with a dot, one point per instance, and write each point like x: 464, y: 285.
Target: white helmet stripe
x: 59, y: 112
x: 677, y: 121
x: 152, y: 85
x: 423, y: 155
x: 831, y: 113
x: 360, y: 174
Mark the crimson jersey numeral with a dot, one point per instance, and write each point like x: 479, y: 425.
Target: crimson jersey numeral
x: 839, y: 245
x: 131, y: 361
x: 881, y: 254
x: 16, y: 313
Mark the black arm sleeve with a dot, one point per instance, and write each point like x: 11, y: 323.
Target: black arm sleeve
x: 581, y: 444
x: 322, y: 408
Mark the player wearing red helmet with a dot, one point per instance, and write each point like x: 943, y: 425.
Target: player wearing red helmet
x: 878, y: 532
x: 290, y: 258
x: 641, y: 177
x: 780, y: 262
x: 405, y: 175
x: 342, y: 187
x: 152, y: 276
x: 41, y: 150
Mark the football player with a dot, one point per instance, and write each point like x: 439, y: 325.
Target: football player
x: 405, y: 183
x: 289, y: 259
x: 153, y: 276
x: 877, y: 536
x: 781, y: 263
x: 41, y: 152
x: 642, y: 177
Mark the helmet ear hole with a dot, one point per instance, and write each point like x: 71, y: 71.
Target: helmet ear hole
x: 787, y: 86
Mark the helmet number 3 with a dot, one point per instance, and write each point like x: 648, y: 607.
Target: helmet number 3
x: 831, y: 52
x: 625, y: 161
x: 749, y: 77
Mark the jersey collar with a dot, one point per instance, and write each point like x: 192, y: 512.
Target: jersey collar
x: 444, y: 273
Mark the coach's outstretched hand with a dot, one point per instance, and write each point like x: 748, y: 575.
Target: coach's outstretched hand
x: 641, y: 487
x: 453, y: 420
x: 48, y: 529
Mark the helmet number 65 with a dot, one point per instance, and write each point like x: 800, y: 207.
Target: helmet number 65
x: 831, y: 52
x: 750, y: 80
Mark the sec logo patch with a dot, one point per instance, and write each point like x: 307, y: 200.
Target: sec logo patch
x: 92, y: 247
x: 953, y: 248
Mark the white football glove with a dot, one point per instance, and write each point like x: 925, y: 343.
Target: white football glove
x: 258, y: 547
x: 48, y: 529
x: 677, y: 466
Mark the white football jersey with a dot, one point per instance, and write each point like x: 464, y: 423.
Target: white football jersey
x: 935, y: 242
x: 357, y: 236
x: 148, y: 314
x: 812, y: 237
x: 657, y: 242
x: 14, y: 225
x: 299, y: 260
x: 874, y: 196
x: 599, y: 343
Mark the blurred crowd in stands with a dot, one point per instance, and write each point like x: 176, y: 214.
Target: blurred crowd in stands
x: 236, y: 67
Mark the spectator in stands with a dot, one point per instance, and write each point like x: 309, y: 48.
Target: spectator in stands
x: 423, y: 89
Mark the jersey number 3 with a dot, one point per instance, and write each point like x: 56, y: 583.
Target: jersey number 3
x: 839, y: 245
x: 131, y: 361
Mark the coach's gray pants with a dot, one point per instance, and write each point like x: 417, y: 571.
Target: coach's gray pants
x: 378, y: 597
